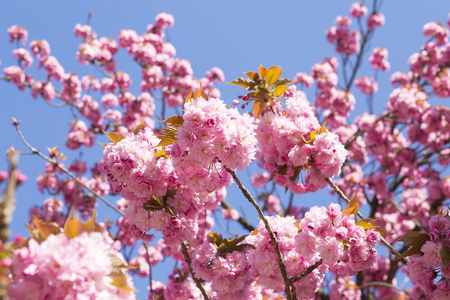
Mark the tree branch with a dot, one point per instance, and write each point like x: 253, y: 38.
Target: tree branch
x: 306, y: 272
x: 62, y: 168
x: 189, y: 263
x: 273, y: 237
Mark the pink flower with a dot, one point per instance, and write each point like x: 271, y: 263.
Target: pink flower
x: 18, y: 33
x: 431, y: 256
x: 358, y: 10
x: 366, y: 85
x: 375, y: 20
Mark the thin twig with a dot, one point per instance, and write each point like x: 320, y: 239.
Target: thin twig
x: 381, y: 283
x: 342, y: 195
x: 149, y: 267
x: 269, y: 230
x: 189, y: 263
x: 306, y: 272
x: 62, y: 168
x: 241, y: 220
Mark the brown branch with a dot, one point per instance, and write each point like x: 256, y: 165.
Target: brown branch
x: 147, y: 257
x: 62, y: 168
x: 306, y: 272
x: 189, y: 263
x: 381, y: 283
x: 273, y: 237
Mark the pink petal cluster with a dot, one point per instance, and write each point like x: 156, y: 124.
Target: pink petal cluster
x: 64, y: 268
x: 133, y: 170
x: 366, y: 85
x: 375, y: 20
x: 346, y: 41
x: 423, y: 268
x: 378, y: 59
x: 284, y: 150
x: 358, y: 10
x: 229, y: 276
x: 212, y: 133
x: 323, y: 234
x: 18, y: 33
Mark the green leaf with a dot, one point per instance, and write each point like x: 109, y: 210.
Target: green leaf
x: 282, y: 81
x: 243, y: 82
x: 280, y: 90
x: 273, y: 74
x: 169, y: 128
x: 153, y: 203
x: 119, y: 280
x: 161, y: 153
x: 174, y: 120
x: 258, y: 108
x: 139, y: 127
x: 253, y: 76
x: 415, y: 240
x: 46, y: 229
x: 189, y: 97
x: 262, y: 72
x: 200, y: 93
x: 215, y: 238
x: 352, y: 207
x: 118, y: 263
x: 168, y: 139
x: 114, y: 137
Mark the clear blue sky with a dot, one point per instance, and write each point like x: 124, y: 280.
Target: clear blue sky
x: 233, y: 35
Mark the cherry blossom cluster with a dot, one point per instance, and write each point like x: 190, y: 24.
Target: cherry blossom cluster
x: 432, y: 62
x: 155, y: 197
x: 345, y: 40
x: 61, y: 267
x: 229, y: 275
x: 335, y: 102
x: 286, y: 146
x: 325, y: 234
x: 212, y: 133
x: 429, y: 269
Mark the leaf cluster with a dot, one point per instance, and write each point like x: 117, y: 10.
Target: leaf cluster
x: 225, y: 246
x: 158, y: 204
x: 265, y: 86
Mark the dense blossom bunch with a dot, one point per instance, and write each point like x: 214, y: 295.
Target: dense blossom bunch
x: 65, y: 268
x: 229, y: 275
x: 286, y: 146
x: 174, y: 183
x: 325, y: 234
x: 134, y: 171
x: 429, y: 269
x: 212, y: 132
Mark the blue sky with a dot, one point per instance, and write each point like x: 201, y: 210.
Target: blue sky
x: 233, y: 35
